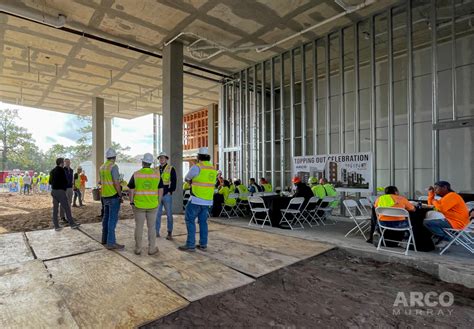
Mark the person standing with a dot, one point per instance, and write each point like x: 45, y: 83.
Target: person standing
x: 202, y: 177
x: 70, y: 182
x: 111, y: 193
x: 27, y: 183
x: 58, y: 182
x: 83, y: 184
x: 35, y: 181
x: 145, y: 196
x: 21, y: 183
x: 168, y: 184
x: 77, y: 188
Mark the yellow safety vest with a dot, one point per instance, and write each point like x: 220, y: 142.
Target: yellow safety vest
x: 146, y: 188
x: 107, y: 184
x: 77, y: 182
x: 319, y: 191
x: 225, y: 191
x: 21, y: 180
x: 166, y: 175
x: 7, y: 180
x: 267, y: 187
x: 203, y: 184
x: 186, y: 186
x: 386, y: 200
x: 243, y: 189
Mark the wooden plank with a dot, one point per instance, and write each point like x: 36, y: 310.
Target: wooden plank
x: 29, y: 299
x: 48, y: 244
x: 251, y: 260
x: 192, y: 275
x: 285, y: 245
x: 13, y: 249
x: 104, y: 290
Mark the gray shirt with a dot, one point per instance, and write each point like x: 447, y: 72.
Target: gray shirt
x: 115, y: 173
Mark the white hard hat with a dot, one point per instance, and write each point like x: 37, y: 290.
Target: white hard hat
x: 148, y: 158
x: 203, y: 151
x: 163, y: 154
x: 110, y: 153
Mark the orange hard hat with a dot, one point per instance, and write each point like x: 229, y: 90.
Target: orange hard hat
x: 296, y: 180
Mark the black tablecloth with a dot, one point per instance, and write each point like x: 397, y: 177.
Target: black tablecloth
x: 275, y: 203
x: 421, y: 234
x: 217, y: 202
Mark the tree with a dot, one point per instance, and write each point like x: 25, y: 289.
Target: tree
x: 15, y: 141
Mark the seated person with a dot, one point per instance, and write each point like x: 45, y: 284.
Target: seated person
x: 254, y: 187
x: 317, y: 189
x: 267, y: 187
x: 225, y: 191
x: 241, y: 189
x: 219, y: 179
x: 392, y: 199
x: 451, y: 205
x: 330, y: 191
x: 302, y: 190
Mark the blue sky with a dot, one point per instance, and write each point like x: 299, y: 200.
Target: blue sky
x: 48, y: 128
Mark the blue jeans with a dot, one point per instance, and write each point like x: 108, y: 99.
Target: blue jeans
x: 436, y: 227
x: 167, y: 202
x: 395, y: 223
x: 109, y: 221
x: 192, y: 212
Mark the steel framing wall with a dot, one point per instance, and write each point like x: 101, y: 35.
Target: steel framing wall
x: 370, y: 86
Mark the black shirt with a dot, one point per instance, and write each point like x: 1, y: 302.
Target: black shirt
x: 58, y: 179
x: 303, y: 191
x: 69, y: 171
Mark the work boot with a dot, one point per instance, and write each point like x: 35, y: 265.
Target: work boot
x: 186, y: 248
x: 75, y: 226
x: 74, y: 205
x: 153, y: 252
x: 57, y: 229
x: 137, y: 252
x: 115, y: 246
x: 169, y: 236
x: 203, y: 248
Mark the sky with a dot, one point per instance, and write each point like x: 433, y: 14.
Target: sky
x: 49, y: 128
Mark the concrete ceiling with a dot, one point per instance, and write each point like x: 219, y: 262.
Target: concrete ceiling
x: 65, y: 70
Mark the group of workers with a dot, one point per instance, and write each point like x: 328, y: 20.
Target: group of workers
x: 23, y: 183
x: 151, y: 190
x: 455, y: 213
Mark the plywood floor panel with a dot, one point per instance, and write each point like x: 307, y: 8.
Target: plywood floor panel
x: 13, y: 249
x: 29, y: 299
x: 104, y: 290
x: 253, y: 261
x: 49, y: 244
x: 285, y: 245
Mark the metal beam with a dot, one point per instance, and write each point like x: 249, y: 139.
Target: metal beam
x: 272, y: 119
x: 391, y: 115
x: 328, y: 91
x: 303, y: 100
x: 356, y: 90
x: 263, y: 152
x: 292, y: 103
x: 453, y: 58
x: 341, y: 93
x: 411, y: 164
x: 434, y: 86
x: 282, y: 122
x: 315, y: 98
x: 373, y: 141
x: 241, y: 123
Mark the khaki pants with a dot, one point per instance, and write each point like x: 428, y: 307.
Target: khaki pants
x: 83, y: 192
x: 140, y: 216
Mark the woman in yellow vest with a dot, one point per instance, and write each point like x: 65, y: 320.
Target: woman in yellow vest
x: 144, y: 198
x: 225, y: 191
x: 202, y: 177
x: 76, y: 186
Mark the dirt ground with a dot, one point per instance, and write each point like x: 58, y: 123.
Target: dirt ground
x: 19, y: 213
x: 333, y: 290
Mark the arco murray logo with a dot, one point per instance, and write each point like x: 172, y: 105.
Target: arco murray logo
x: 420, y: 303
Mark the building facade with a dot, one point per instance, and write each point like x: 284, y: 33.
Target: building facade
x: 398, y: 84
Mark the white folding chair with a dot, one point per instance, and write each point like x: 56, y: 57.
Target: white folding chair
x: 231, y: 213
x: 269, y: 193
x: 394, y: 212
x: 362, y: 221
x: 286, y: 193
x: 366, y: 206
x: 464, y: 237
x: 326, y: 210
x: 242, y: 205
x: 257, y: 205
x: 470, y: 205
x: 258, y: 194
x: 291, y: 215
x: 308, y: 214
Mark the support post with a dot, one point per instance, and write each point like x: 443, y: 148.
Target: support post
x: 108, y: 133
x: 210, y: 131
x: 97, y: 135
x: 173, y: 114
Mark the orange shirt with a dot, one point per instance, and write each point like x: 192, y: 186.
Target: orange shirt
x: 400, y: 202
x: 453, y: 207
x: 83, y: 180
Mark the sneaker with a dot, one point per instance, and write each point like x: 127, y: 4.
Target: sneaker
x: 76, y: 226
x: 115, y: 246
x: 203, y: 248
x: 186, y: 248
x: 153, y: 252
x: 57, y: 229
x: 74, y: 206
x: 442, y: 244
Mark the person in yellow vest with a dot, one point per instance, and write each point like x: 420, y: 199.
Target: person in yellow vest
x: 7, y: 182
x: 76, y: 187
x: 186, y: 187
x: 111, y: 193
x: 202, y: 177
x: 145, y: 196
x: 20, y: 183
x: 34, y: 183
x: 241, y: 189
x: 318, y: 189
x: 225, y: 191
x: 267, y: 187
x: 330, y: 191
x: 168, y: 184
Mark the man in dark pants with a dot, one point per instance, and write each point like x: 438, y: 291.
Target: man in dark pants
x: 58, y: 182
x: 69, y: 190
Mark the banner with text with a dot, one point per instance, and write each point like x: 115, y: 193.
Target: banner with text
x: 350, y: 172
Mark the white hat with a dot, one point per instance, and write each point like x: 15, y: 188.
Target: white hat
x: 110, y: 153
x: 203, y: 151
x: 163, y: 154
x: 148, y: 158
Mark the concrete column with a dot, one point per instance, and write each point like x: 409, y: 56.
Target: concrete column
x: 210, y: 128
x: 173, y: 115
x: 97, y: 135
x: 108, y: 133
